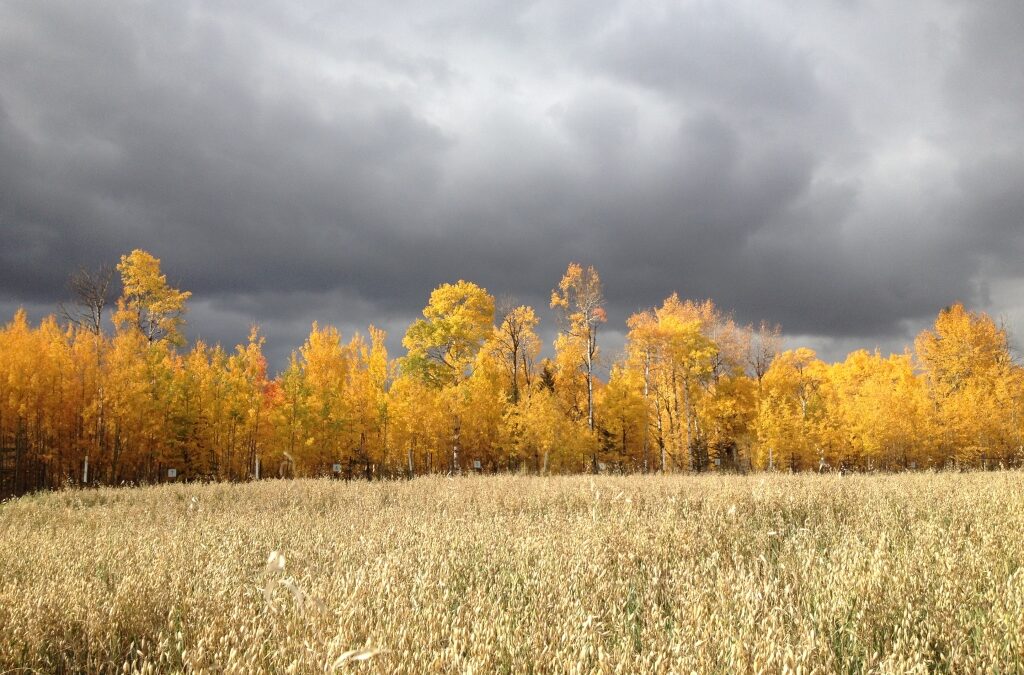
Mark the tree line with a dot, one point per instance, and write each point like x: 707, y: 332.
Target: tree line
x: 692, y: 391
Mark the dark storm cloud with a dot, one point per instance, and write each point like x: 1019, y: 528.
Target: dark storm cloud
x: 844, y: 168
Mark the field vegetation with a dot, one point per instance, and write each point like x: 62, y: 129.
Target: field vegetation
x: 759, y: 573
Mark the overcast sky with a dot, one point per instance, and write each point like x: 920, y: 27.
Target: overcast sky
x: 843, y: 168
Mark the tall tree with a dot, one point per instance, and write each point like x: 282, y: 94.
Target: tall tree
x: 516, y: 345
x: 580, y: 299
x: 148, y: 303
x: 326, y: 368
x: 793, y: 415
x: 643, y: 351
x: 966, y: 362
x: 91, y: 294
x: 443, y: 345
x: 764, y: 346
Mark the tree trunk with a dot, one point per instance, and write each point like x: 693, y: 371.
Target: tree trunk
x: 515, y: 373
x: 455, y: 444
x: 646, y: 411
x: 590, y: 391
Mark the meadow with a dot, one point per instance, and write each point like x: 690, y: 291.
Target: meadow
x: 758, y: 573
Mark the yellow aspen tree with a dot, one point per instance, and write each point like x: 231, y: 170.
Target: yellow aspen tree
x: 248, y: 384
x: 624, y: 418
x: 367, y: 392
x: 443, y: 345
x: 642, y: 350
x: 87, y: 350
x: 965, y: 357
x: 191, y: 418
x: 126, y: 381
x: 791, y: 416
x: 688, y: 362
x: 419, y: 427
x: 486, y: 398
x: 580, y: 298
x: 380, y: 381
x: 148, y: 302
x: 325, y: 364
x: 515, y: 344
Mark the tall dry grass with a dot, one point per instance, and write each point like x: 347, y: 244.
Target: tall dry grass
x: 910, y: 573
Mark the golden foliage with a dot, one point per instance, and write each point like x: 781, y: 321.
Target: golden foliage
x: 693, y: 391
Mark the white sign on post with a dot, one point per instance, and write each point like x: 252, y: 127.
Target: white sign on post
x: 476, y: 464
x: 172, y: 473
x: 336, y: 468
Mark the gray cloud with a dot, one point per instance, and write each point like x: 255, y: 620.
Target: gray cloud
x: 844, y: 168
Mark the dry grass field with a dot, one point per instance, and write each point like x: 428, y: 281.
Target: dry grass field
x: 763, y: 573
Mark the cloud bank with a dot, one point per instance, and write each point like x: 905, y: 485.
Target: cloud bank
x: 844, y: 168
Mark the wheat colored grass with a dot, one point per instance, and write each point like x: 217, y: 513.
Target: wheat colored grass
x: 763, y: 573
